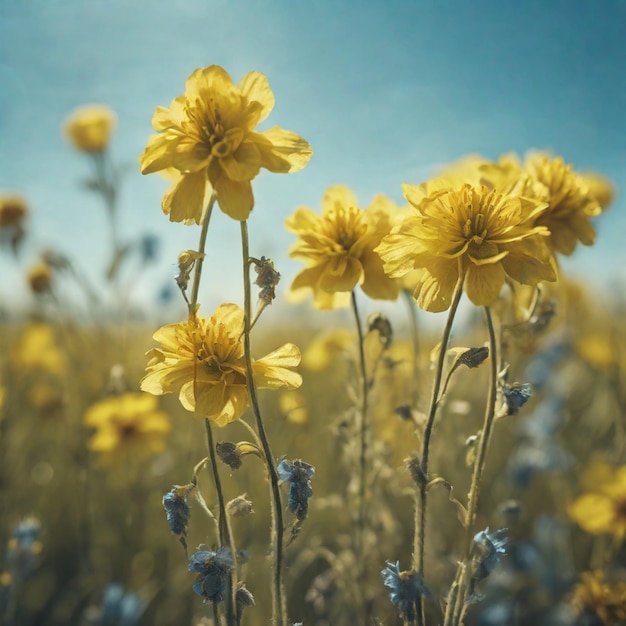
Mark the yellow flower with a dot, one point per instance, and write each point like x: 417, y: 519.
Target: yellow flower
x: 208, y: 136
x: 598, y: 187
x: 89, y: 128
x: 467, y: 231
x: 203, y: 361
x: 293, y: 405
x: 37, y: 349
x: 128, y: 425
x: 327, y: 348
x: 13, y: 210
x: 604, y: 598
x: 40, y: 277
x: 603, y: 509
x: 337, y: 248
x: 571, y: 206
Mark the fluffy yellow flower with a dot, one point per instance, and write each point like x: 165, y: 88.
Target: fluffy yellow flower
x: 208, y: 136
x: 89, y: 128
x: 571, y: 206
x: 603, y: 509
x: 337, y: 248
x: 128, y: 425
x: 606, y: 599
x: 467, y: 231
x: 203, y: 361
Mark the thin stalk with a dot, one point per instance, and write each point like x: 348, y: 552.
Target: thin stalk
x: 456, y: 606
x: 200, y: 261
x: 279, y: 610
x: 408, y: 296
x: 363, y: 426
x: 420, y: 509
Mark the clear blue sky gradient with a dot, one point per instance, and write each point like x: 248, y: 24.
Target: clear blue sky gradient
x: 385, y: 92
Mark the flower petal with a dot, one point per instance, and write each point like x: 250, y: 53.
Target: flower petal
x: 255, y: 87
x: 483, y: 283
x: 234, y: 197
x: 159, y: 153
x: 281, y: 150
x: 244, y: 164
x: 184, y: 200
x: 274, y: 370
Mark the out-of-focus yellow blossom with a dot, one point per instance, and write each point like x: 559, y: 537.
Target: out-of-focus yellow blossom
x: 598, y: 349
x: 127, y: 425
x: 208, y: 136
x: 337, y: 248
x: 595, y: 594
x: 598, y: 187
x: 46, y: 398
x: 89, y: 128
x: 326, y: 348
x: 203, y: 360
x: 293, y: 405
x: 40, y: 277
x: 13, y: 211
x: 469, y: 232
x: 603, y: 509
x: 37, y: 349
x: 571, y: 206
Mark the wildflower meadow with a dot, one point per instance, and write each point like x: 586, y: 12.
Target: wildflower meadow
x: 424, y: 426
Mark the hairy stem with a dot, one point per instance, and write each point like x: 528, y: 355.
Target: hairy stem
x: 200, y: 261
x: 279, y: 610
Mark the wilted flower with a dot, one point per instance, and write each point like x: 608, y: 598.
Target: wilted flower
x: 596, y: 595
x: 516, y: 396
x: 299, y: 474
x: 89, y: 128
x: 337, y: 248
x: 176, y: 506
x: 469, y: 232
x: 232, y: 454
x: 239, y: 506
x: 207, y: 136
x: 127, y: 425
x: 407, y: 588
x: 213, y: 569
x: 603, y: 509
x: 488, y: 550
x: 204, y: 361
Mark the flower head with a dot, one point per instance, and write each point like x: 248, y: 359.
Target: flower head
x: 337, y: 248
x: 299, y: 474
x: 470, y: 232
x: 207, y: 137
x: 406, y: 590
x: 596, y: 595
x: 89, y: 128
x: 177, y: 508
x: 127, y: 425
x: 516, y: 396
x: 203, y: 360
x: 13, y: 211
x: 489, y: 548
x: 213, y: 569
x: 602, y: 510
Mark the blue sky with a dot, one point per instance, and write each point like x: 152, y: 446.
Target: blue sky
x: 385, y: 92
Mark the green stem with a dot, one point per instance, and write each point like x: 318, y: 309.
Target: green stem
x: 363, y: 426
x: 200, y: 261
x: 225, y: 529
x: 454, y: 611
x: 408, y: 296
x: 420, y: 509
x: 279, y: 611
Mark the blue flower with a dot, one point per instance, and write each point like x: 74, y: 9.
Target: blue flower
x: 120, y: 607
x: 177, y: 509
x: 488, y: 551
x: 24, y: 548
x: 516, y: 396
x: 298, y: 473
x: 213, y: 567
x: 406, y: 590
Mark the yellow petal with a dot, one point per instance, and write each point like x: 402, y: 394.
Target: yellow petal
x: 281, y: 150
x: 244, y: 164
x: 594, y: 513
x: 434, y: 293
x: 342, y: 273
x: 191, y: 155
x: 185, y: 199
x: 483, y: 283
x: 338, y: 196
x: 254, y: 86
x: 158, y: 153
x: 273, y: 370
x: 235, y: 197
